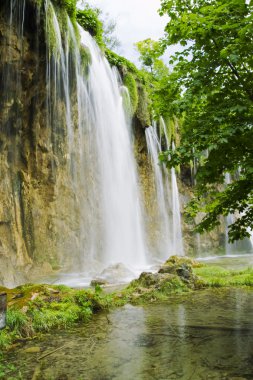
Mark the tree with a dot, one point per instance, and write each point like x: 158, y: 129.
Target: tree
x: 149, y: 51
x: 211, y: 90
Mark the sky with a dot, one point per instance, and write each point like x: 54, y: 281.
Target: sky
x: 136, y: 20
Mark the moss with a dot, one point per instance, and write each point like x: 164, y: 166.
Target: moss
x: 68, y: 5
x: 85, y: 58
x: 179, y: 260
x: 131, y: 85
x: 51, y: 36
x: 122, y: 64
x: 63, y: 14
x: 143, y: 111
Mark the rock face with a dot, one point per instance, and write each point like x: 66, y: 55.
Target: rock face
x: 34, y: 184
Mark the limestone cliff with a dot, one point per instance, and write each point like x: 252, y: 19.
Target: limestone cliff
x: 35, y: 227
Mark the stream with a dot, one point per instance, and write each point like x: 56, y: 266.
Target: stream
x: 202, y: 335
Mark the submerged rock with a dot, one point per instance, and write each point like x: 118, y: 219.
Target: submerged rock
x: 98, y: 281
x: 115, y: 274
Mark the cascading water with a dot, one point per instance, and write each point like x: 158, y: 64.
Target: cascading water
x: 100, y: 156
x: 238, y: 246
x: 177, y: 231
x: 164, y: 224
x: 120, y: 204
x: 170, y: 239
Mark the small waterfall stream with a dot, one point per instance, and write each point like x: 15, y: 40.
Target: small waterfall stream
x: 245, y: 245
x: 170, y: 240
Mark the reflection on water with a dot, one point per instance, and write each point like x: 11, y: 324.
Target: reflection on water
x: 204, y: 335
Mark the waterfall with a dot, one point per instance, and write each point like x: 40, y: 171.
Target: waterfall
x: 168, y: 207
x: 245, y: 245
x: 99, y: 155
x: 120, y: 200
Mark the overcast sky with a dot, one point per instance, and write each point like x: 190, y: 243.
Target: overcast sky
x: 136, y: 20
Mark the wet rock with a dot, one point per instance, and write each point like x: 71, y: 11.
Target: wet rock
x: 148, y: 279
x: 175, y: 275
x: 116, y: 273
x: 182, y: 267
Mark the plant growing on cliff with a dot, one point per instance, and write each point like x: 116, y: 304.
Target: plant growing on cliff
x: 88, y: 18
x: 210, y: 89
x: 68, y: 5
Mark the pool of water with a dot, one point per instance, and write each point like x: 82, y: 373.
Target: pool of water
x: 202, y: 335
x: 237, y: 262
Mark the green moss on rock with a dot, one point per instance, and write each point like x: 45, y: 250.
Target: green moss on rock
x: 131, y: 85
x: 143, y: 109
x: 85, y: 58
x: 122, y: 64
x: 68, y: 5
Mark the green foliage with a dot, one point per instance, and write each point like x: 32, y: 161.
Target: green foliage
x: 16, y: 320
x: 88, y: 18
x: 59, y: 315
x: 210, y: 90
x: 5, y: 339
x: 157, y: 79
x: 131, y: 85
x: 150, y: 51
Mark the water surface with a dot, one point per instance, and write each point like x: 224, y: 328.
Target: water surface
x: 202, y: 335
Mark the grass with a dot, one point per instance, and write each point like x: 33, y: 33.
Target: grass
x: 34, y: 309
x: 214, y: 276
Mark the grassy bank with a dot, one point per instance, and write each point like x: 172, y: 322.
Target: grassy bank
x: 36, y: 309
x: 215, y: 276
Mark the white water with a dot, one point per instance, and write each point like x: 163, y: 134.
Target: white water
x: 100, y: 156
x: 170, y: 240
x: 120, y: 203
x: 245, y: 245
